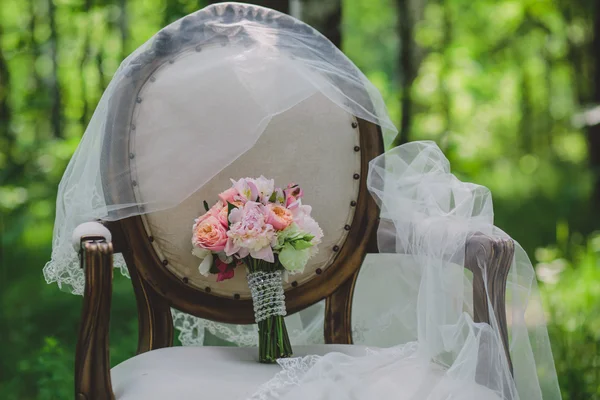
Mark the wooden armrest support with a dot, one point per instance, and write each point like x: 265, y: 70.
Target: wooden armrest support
x: 490, y: 260
x: 92, y: 360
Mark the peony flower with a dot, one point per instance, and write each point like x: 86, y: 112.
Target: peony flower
x: 249, y: 232
x: 307, y: 224
x: 209, y: 233
x: 225, y: 271
x: 279, y: 216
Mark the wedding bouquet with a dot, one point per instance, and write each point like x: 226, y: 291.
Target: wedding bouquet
x: 271, y: 233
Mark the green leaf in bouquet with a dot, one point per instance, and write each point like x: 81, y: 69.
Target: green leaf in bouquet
x: 302, y: 244
x: 206, y: 207
x: 213, y: 267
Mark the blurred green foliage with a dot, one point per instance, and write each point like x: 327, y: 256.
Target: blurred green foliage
x: 500, y: 85
x: 572, y: 299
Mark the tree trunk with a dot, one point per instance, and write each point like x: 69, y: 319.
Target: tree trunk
x: 407, y: 69
x: 326, y: 17
x: 123, y: 21
x: 5, y: 114
x: 444, y: 76
x: 594, y: 130
x: 56, y: 110
x: 279, y: 5
x: 82, y: 63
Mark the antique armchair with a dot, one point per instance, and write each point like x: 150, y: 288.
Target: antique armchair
x: 164, y: 274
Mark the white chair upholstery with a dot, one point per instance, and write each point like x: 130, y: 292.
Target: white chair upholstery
x: 233, y: 373
x: 194, y: 373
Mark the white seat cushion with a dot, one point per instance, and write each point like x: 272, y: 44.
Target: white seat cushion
x: 182, y: 373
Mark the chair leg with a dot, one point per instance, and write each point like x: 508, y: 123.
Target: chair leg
x: 496, y: 256
x: 92, y: 359
x: 155, y: 323
x: 338, y: 313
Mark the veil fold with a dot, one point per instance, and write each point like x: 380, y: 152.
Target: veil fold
x: 435, y: 349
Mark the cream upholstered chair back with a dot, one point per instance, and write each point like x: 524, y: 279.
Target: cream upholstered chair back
x: 313, y: 144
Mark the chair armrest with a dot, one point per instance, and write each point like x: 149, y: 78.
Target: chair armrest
x: 490, y: 260
x: 92, y: 360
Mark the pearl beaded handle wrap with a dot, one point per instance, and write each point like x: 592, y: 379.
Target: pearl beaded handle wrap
x: 267, y: 294
x: 266, y: 286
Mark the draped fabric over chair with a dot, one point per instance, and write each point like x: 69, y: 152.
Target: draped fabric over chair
x: 424, y: 310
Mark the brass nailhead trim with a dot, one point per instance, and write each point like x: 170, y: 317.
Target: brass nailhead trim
x: 236, y: 296
x: 336, y: 248
x: 151, y: 239
x: 185, y: 280
x: 152, y: 79
x: 356, y: 176
x: 131, y: 156
x: 356, y: 148
x: 347, y: 227
x: 319, y: 271
x: 207, y: 290
x: 171, y: 61
x: 139, y: 99
x: 354, y: 125
x: 353, y: 203
x: 165, y: 262
x: 134, y: 183
x: 294, y: 284
x: 199, y: 49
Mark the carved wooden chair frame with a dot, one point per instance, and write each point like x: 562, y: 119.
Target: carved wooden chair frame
x: 157, y: 289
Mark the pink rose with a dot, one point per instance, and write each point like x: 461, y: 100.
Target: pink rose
x: 209, y: 233
x: 279, y: 216
x: 219, y: 211
x: 228, y: 195
x: 225, y: 271
x: 221, y: 215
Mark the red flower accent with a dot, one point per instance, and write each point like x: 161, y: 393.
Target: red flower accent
x: 225, y: 271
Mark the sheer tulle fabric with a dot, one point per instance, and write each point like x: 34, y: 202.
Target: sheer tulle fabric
x: 262, y: 63
x: 438, y: 351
